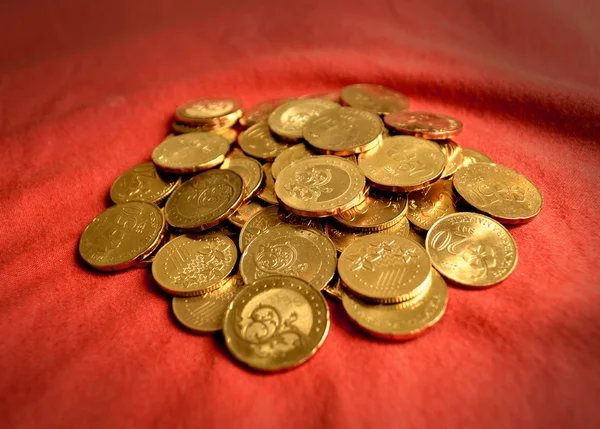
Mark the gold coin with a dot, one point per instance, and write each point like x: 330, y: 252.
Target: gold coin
x: 122, y: 235
x: 471, y: 249
x: 454, y: 157
x: 472, y: 156
x: 374, y: 98
x: 245, y: 212
x: 261, y: 111
x: 143, y: 183
x: 205, y: 200
x: 290, y: 251
x: 416, y: 237
x: 288, y: 119
x: 235, y: 152
x: 147, y: 260
x: 289, y: 156
x: 271, y: 217
x: 216, y: 127
x: 351, y: 158
x: 250, y: 171
x: 342, y: 237
x: 343, y: 131
x: 267, y: 192
x: 257, y: 141
x: 378, y: 211
x: 403, y: 163
x: 204, y: 314
x: 427, y: 205
x: 385, y: 268
x: 400, y: 321
x: 427, y: 125
x: 334, y: 288
x: 230, y: 134
x: 320, y: 186
x: 331, y: 96
x: 499, y: 192
x: 276, y: 323
x: 190, y: 153
x: 209, y: 110
x: 194, y: 265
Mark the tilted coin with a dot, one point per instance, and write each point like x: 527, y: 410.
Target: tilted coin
x: 334, y: 288
x: 146, y: 261
x: 380, y: 210
x: 320, y: 186
x: 260, y: 112
x: 401, y: 321
x: 471, y: 249
x: 427, y: 125
x: 374, y: 98
x: 204, y: 314
x: 385, y: 268
x: 257, y: 141
x: 190, y: 153
x: 270, y: 217
x: 291, y: 251
x: 343, y: 131
x: 250, y: 171
x: 209, y: 110
x: 499, y: 192
x: 471, y: 156
x: 143, y: 183
x: 288, y: 119
x: 230, y: 134
x: 427, y: 205
x: 194, y: 265
x: 205, y: 200
x: 223, y: 128
x: 454, y: 157
x: 267, y: 192
x: 289, y: 156
x: 245, y: 212
x: 342, y: 237
x: 403, y: 163
x: 276, y: 323
x: 122, y: 235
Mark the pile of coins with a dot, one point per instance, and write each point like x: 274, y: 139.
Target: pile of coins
x: 348, y: 195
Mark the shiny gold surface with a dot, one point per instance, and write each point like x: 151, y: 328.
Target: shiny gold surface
x: 190, y: 153
x: 258, y: 142
x: 331, y: 96
x: 260, y: 112
x: 380, y: 210
x: 251, y: 172
x: 209, y: 110
x: 267, y: 192
x: 334, y: 289
x: 472, y: 156
x: 427, y: 125
x: 289, y: 156
x: 454, y: 157
x: 143, y: 183
x: 223, y: 128
x: 374, y: 98
x: 245, y: 212
x: 415, y: 236
x: 427, y: 205
x: 288, y: 120
x: 343, y: 237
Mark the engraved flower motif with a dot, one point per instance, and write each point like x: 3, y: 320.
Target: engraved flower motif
x: 481, y: 258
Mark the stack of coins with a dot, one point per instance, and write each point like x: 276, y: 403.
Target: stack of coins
x: 347, y: 195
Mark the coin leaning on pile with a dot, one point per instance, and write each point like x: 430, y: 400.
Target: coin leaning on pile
x: 249, y: 219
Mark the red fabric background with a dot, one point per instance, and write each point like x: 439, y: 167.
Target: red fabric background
x: 86, y: 90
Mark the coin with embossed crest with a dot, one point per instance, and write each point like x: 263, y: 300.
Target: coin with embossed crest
x: 402, y: 321
x: 194, y: 265
x: 379, y: 210
x: 428, y: 125
x: 288, y: 120
x: 257, y: 141
x: 250, y: 171
x: 343, y: 237
x: 320, y: 186
x: 374, y: 98
x: 292, y: 251
x: 499, y: 192
x: 427, y: 205
x: 190, y: 153
x: 454, y: 157
x: 143, y: 183
x: 204, y: 314
x: 245, y: 212
x: 343, y: 131
x: 289, y: 156
x: 403, y: 163
x: 267, y: 192
x: 209, y: 110
x: 276, y: 323
x: 471, y: 249
x: 471, y: 156
x: 122, y: 235
x: 385, y: 268
x: 260, y: 112
x: 205, y: 200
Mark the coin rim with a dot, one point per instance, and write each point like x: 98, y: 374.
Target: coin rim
x: 443, y: 135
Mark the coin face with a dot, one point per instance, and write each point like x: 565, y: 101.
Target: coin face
x: 291, y: 251
x: 427, y: 205
x: 454, y: 157
x: 498, y: 191
x: 403, y: 163
x: 289, y: 156
x: 205, y: 200
x: 276, y: 323
x: 374, y: 98
x: 378, y: 211
x: 257, y: 141
x: 343, y: 131
x: 471, y: 156
x: 401, y: 321
x: 385, y: 268
x: 251, y: 172
x: 194, y: 265
x: 121, y: 235
x: 267, y: 192
x: 342, y: 237
x: 143, y: 183
x: 209, y: 110
x: 204, y: 314
x: 245, y: 212
x: 320, y: 186
x: 428, y: 125
x: 190, y: 153
x: 288, y: 119
x: 271, y: 217
x: 260, y: 112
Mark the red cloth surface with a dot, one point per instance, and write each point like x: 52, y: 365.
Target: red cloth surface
x: 86, y: 91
